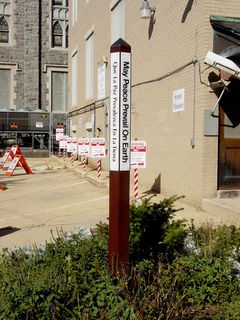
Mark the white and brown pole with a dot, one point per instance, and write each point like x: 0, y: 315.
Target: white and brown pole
x: 98, y: 168
x: 84, y: 163
x: 136, y: 185
x: 119, y: 155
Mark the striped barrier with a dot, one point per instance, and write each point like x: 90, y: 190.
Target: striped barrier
x: 98, y: 168
x: 71, y: 159
x: 136, y: 185
x: 84, y: 163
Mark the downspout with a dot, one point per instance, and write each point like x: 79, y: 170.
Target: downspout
x: 193, y: 142
x: 40, y: 55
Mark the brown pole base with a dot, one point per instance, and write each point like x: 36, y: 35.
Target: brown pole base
x: 119, y: 221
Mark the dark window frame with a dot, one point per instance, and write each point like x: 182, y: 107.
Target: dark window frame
x: 59, y: 18
x: 4, y: 30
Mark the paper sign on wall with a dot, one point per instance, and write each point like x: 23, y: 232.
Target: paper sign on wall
x: 178, y: 100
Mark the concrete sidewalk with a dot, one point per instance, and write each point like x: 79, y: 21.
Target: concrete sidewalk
x: 221, y: 211
x: 59, y: 196
x: 53, y: 198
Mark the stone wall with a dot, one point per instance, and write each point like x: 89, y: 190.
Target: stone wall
x: 24, y: 51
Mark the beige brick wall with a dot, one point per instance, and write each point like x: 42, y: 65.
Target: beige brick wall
x: 183, y: 169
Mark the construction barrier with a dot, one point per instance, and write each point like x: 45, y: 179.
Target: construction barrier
x: 9, y: 155
x: 18, y: 160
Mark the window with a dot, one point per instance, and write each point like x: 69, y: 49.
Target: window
x: 59, y: 91
x: 4, y: 31
x: 74, y: 11
x: 74, y: 79
x: 60, y: 24
x: 4, y: 21
x: 57, y: 2
x: 57, y: 35
x: 118, y: 21
x: 5, y: 85
x: 89, y: 66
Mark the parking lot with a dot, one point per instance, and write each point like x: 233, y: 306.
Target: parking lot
x: 47, y: 200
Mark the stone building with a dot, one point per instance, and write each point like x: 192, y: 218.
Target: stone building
x: 34, y: 56
x: 192, y: 150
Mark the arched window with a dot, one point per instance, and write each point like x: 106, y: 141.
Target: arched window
x: 59, y: 24
x: 57, y: 35
x: 4, y: 30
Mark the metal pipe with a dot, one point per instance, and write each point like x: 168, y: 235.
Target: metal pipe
x: 40, y: 54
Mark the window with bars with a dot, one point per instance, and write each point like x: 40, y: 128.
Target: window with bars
x: 75, y: 79
x: 4, y: 21
x: 59, y: 91
x: 89, y: 66
x: 5, y: 85
x: 60, y: 24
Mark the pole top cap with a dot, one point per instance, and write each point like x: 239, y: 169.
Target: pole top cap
x: 120, y: 46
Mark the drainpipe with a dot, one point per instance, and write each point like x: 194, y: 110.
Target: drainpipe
x: 40, y: 55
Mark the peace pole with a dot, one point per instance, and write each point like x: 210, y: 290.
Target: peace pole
x: 119, y: 155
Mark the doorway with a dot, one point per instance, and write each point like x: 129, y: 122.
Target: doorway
x: 229, y: 138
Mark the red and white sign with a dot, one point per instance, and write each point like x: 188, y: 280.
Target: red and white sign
x: 84, y: 146
x: 59, y: 133
x: 63, y: 142
x: 98, y: 148
x: 69, y: 144
x: 138, y: 154
x: 72, y: 145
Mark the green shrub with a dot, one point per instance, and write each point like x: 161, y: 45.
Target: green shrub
x: 70, y: 279
x: 223, y: 241
x: 152, y: 231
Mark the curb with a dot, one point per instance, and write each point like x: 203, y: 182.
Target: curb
x: 88, y: 175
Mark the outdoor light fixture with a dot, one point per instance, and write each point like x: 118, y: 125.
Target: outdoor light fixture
x: 146, y: 11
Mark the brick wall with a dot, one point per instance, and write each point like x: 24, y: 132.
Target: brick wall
x: 24, y: 52
x: 178, y: 152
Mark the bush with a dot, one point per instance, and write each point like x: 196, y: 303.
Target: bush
x: 70, y: 279
x: 152, y: 230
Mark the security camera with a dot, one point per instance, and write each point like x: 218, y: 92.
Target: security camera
x: 221, y: 63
